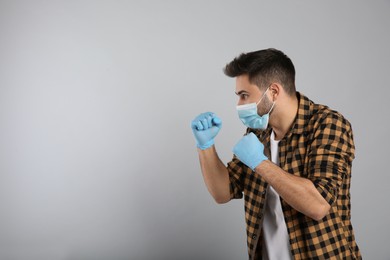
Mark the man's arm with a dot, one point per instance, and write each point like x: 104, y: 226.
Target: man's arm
x: 215, y: 175
x: 300, y: 193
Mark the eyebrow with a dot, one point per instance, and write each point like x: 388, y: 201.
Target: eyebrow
x: 241, y: 92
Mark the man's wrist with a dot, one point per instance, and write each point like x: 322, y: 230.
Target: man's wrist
x: 206, y: 150
x: 261, y: 166
x: 206, y: 145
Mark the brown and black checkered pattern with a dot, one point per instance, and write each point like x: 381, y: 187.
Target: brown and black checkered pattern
x: 319, y: 147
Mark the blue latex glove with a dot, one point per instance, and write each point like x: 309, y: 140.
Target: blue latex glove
x: 250, y: 151
x: 205, y: 127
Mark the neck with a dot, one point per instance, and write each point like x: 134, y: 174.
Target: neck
x: 284, y: 118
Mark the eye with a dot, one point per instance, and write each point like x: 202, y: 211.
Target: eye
x: 244, y: 96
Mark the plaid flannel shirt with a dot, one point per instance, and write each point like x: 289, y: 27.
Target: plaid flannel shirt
x: 318, y: 147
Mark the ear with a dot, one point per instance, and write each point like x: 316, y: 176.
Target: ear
x: 275, y: 90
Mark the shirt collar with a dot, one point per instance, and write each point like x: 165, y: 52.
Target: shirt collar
x: 303, y: 115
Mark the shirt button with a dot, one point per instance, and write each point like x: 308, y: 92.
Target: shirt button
x: 260, y: 215
x: 254, y: 237
x: 264, y: 192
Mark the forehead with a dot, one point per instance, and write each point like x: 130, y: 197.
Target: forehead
x: 243, y: 84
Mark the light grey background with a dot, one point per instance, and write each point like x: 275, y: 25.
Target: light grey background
x: 97, y: 159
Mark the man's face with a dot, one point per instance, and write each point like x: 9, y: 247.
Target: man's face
x: 246, y: 92
x: 250, y: 93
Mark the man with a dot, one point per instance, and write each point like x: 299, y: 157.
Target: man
x: 293, y: 166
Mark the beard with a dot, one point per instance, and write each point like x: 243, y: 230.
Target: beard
x: 266, y: 105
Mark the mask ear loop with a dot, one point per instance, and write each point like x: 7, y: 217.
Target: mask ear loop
x: 262, y: 97
x: 273, y: 104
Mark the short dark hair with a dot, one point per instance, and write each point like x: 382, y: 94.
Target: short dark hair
x: 264, y: 67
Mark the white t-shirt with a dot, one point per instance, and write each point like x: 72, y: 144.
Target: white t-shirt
x: 276, y: 243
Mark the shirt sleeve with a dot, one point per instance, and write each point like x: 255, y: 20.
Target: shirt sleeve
x: 237, y: 173
x: 330, y: 155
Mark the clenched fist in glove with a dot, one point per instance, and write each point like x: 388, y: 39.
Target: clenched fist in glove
x: 205, y: 127
x: 250, y: 151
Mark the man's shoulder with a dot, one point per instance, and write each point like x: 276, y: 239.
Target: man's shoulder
x: 325, y: 125
x: 322, y: 115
